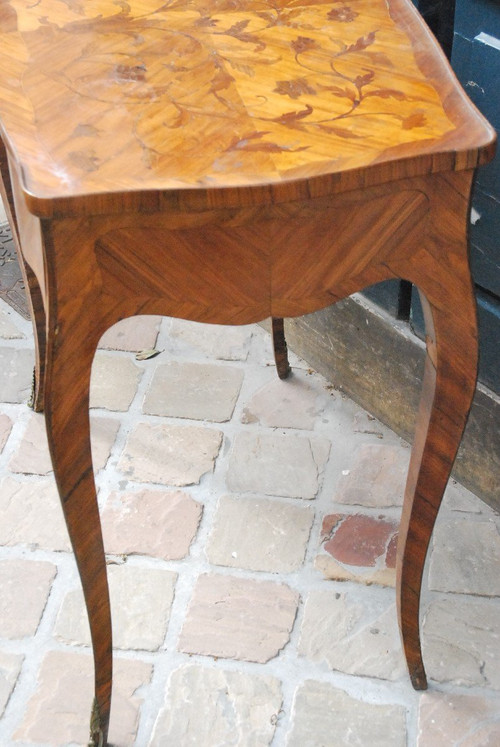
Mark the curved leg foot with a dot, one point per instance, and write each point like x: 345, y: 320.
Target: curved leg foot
x: 280, y: 348
x: 448, y: 389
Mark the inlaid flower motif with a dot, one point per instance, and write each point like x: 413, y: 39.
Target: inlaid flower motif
x: 303, y: 44
x: 345, y: 14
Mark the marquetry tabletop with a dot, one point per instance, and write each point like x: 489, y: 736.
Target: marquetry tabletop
x: 100, y: 96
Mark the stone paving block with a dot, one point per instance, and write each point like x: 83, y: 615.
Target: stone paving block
x: 465, y: 558
x: 103, y: 435
x: 59, y: 711
x: 223, y: 342
x: 357, y: 539
x: 376, y: 478
x: 114, y: 382
x: 10, y: 667
x: 328, y: 717
x: 457, y: 498
x: 358, y: 548
x: 238, y: 618
x: 198, y: 391
x: 351, y: 637
x: 461, y: 642
x: 259, y: 534
x: 161, y: 524
x: 214, y: 707
x: 33, y: 458
x: 277, y: 464
x: 5, y: 429
x: 451, y: 719
x: 170, y: 455
x: 32, y: 515
x: 294, y: 403
x: 363, y: 422
x: 334, y: 571
x: 141, y: 599
x: 16, y: 366
x: 25, y: 586
x: 8, y: 330
x: 132, y: 335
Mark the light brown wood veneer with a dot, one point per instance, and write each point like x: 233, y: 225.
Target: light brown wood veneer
x: 225, y: 161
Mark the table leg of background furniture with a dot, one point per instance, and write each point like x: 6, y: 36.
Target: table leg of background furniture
x: 280, y: 347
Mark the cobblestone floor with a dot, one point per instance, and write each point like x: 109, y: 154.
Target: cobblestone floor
x: 250, y: 526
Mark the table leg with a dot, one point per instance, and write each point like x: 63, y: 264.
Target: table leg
x: 448, y: 389
x: 68, y: 428
x: 75, y: 323
x: 280, y: 348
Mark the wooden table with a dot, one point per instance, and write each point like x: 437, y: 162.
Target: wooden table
x: 225, y: 161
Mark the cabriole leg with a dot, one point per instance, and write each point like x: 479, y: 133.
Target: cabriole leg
x: 68, y: 429
x: 75, y: 324
x: 448, y: 389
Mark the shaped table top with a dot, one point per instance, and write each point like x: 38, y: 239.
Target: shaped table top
x: 109, y: 96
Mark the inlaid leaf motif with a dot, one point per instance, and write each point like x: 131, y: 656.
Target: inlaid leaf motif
x: 237, y: 31
x: 206, y: 21
x: 252, y: 142
x: 294, y: 88
x: 362, y: 43
x: 379, y: 58
x: 130, y: 72
x: 345, y: 14
x: 346, y: 134
x: 240, y: 142
x: 237, y: 28
x: 363, y: 80
x: 417, y: 119
x: 241, y: 67
x: 292, y: 119
x: 85, y: 160
x: 387, y: 93
x: 283, y: 17
x: 287, y: 16
x: 343, y: 93
x: 221, y: 80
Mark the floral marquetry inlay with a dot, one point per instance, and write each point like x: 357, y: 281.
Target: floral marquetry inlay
x: 116, y: 95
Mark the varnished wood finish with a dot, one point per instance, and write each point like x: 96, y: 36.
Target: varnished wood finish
x: 226, y: 161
